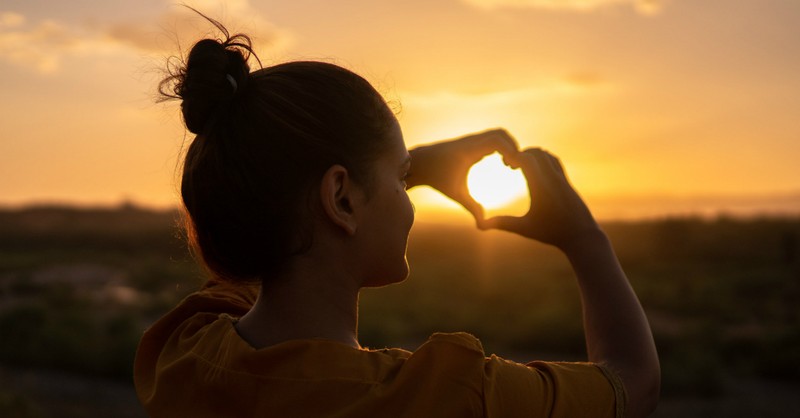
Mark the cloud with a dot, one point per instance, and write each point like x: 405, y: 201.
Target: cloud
x: 179, y: 27
x: 576, y: 84
x: 646, y: 7
x: 11, y: 19
x: 585, y: 80
x: 43, y: 45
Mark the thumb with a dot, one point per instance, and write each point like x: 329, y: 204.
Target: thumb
x: 473, y: 207
x: 505, y: 223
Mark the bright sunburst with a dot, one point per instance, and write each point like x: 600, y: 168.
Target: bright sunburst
x: 495, y: 185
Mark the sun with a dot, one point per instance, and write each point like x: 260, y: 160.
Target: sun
x: 494, y: 185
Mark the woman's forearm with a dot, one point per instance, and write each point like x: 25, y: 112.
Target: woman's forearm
x: 616, y: 328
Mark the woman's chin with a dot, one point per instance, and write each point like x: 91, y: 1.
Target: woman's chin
x: 387, y: 279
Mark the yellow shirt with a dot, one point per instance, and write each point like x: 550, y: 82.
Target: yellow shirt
x: 192, y: 363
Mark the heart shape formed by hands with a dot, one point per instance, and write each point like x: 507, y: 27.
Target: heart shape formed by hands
x: 498, y: 188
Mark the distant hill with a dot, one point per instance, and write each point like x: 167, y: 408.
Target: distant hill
x: 61, y: 227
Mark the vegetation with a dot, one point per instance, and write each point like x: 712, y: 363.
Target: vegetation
x: 78, y: 287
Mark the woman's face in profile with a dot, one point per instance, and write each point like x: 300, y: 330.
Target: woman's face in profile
x: 389, y: 215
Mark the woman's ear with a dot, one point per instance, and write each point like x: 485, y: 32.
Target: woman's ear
x: 337, y: 192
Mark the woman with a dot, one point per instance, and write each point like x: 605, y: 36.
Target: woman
x: 295, y: 193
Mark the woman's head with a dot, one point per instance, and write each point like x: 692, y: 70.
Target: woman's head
x: 264, y: 140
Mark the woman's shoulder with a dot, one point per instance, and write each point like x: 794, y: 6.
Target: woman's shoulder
x: 453, y: 348
x: 455, y: 339
x: 174, y: 331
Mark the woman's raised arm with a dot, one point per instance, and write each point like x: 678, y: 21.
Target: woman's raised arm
x: 616, y: 328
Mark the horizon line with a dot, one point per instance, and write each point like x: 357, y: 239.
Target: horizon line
x: 606, y: 208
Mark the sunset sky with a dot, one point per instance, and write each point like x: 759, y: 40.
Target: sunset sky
x: 654, y: 106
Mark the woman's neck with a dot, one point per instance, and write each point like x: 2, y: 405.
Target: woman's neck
x: 303, y: 304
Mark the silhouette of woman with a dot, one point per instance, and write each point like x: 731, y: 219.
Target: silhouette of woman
x: 295, y: 193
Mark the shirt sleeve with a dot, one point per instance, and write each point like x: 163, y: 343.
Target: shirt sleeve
x: 551, y: 389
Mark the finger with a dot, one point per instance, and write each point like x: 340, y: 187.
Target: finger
x: 472, y: 206
x: 499, y: 140
x: 494, y: 140
x: 558, y: 177
x: 555, y: 164
x: 549, y: 175
x: 504, y: 223
x: 504, y: 143
x: 531, y: 163
x: 510, y: 161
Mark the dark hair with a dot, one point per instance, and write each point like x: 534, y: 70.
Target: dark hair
x: 264, y: 140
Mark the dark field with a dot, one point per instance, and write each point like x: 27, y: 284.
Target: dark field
x: 78, y: 287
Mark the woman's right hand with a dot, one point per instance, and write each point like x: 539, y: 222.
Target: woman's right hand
x: 557, y: 214
x: 615, y: 325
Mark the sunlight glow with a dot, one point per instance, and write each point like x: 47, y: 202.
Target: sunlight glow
x: 495, y: 185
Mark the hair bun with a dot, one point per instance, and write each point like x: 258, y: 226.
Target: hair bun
x: 213, y: 74
x: 206, y: 84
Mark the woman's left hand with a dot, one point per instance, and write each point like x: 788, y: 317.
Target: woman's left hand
x: 445, y: 165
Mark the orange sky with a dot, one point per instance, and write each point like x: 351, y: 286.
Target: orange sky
x: 653, y: 106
